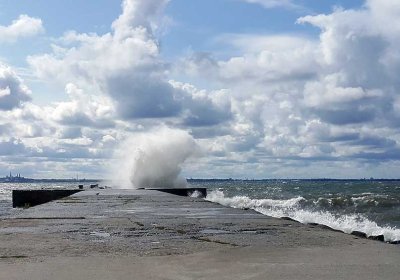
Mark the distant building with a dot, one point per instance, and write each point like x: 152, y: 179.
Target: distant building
x: 15, y: 179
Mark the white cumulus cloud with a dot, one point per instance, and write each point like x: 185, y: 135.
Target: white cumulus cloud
x: 13, y: 92
x: 281, y: 104
x: 299, y: 99
x: 24, y: 26
x: 122, y: 64
x: 276, y: 3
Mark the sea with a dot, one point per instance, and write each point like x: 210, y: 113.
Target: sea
x: 369, y: 206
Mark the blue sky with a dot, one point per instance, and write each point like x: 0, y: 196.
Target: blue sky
x: 266, y: 88
x: 199, y: 22
x: 195, y: 23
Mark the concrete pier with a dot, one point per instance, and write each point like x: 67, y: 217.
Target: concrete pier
x: 144, y: 234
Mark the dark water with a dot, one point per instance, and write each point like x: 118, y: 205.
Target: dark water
x: 372, y: 207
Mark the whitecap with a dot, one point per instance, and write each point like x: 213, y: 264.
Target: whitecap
x: 291, y: 208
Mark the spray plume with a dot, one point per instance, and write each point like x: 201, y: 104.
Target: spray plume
x: 154, y: 159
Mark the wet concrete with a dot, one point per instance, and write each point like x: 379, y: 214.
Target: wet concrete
x: 114, y: 234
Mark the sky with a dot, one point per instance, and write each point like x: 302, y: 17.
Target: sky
x: 267, y: 88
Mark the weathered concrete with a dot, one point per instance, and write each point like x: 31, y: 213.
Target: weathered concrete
x: 117, y: 234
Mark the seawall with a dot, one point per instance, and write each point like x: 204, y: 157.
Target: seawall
x: 29, y: 198
x: 147, y: 234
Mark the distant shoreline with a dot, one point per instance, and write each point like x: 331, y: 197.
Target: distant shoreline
x: 300, y: 180
x: 194, y: 180
x: 30, y: 180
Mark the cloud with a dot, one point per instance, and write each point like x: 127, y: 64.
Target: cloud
x: 71, y: 132
x: 358, y: 80
x: 139, y: 13
x: 333, y: 98
x: 24, y: 26
x: 279, y: 106
x: 12, y: 146
x: 84, y: 109
x: 122, y: 64
x: 142, y: 94
x: 276, y: 4
x: 266, y: 58
x: 124, y: 68
x: 13, y: 92
x: 109, y: 80
x: 203, y: 108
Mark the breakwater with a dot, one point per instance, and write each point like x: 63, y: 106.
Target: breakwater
x: 151, y: 234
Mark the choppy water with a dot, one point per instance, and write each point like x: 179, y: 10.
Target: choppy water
x: 372, y: 207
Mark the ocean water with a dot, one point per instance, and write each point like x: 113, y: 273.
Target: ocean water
x: 372, y: 207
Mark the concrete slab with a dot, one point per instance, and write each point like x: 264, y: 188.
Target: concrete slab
x: 142, y: 234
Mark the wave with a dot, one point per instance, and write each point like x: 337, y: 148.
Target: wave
x: 356, y: 202
x: 292, y: 208
x: 5, y: 194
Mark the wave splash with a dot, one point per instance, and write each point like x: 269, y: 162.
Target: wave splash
x: 292, y: 208
x: 154, y: 159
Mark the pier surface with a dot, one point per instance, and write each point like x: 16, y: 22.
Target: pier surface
x: 143, y: 234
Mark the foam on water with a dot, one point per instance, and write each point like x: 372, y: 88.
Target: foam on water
x: 292, y: 208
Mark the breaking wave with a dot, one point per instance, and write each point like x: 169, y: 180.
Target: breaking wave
x: 293, y: 208
x: 153, y: 159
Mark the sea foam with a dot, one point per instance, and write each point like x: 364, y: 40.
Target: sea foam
x: 292, y: 208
